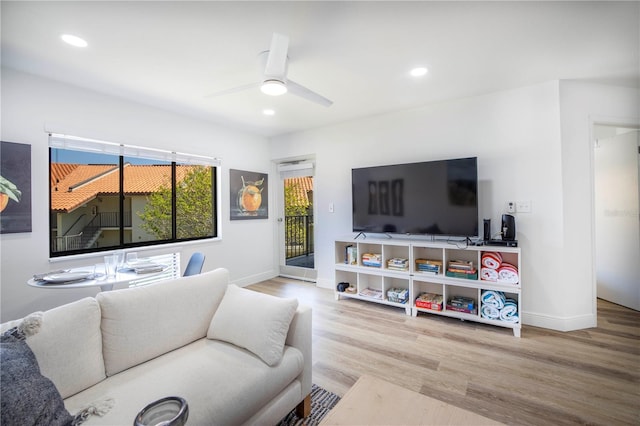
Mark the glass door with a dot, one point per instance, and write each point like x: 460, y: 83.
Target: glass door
x: 296, y: 224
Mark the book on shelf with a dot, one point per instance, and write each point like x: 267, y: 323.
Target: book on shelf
x: 398, y: 295
x: 463, y: 271
x: 429, y: 301
x: 462, y: 302
x: 463, y: 310
x: 398, y: 264
x: 429, y: 262
x: 372, y: 259
x: 460, y: 265
x: 430, y: 266
x: 470, y: 275
x: 371, y: 293
x: 396, y: 268
x: 351, y: 255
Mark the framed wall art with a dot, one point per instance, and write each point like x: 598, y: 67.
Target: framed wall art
x: 248, y: 195
x: 15, y: 187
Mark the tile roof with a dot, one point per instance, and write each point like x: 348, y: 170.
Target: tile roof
x: 302, y: 186
x: 82, y: 183
x: 60, y: 170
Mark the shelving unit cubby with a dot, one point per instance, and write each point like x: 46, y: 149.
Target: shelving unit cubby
x: 381, y: 279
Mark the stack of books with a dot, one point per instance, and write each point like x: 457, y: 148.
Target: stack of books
x: 398, y: 264
x: 462, y: 269
x: 429, y: 301
x: 372, y: 293
x: 429, y: 266
x: 462, y: 304
x: 372, y: 259
x: 398, y: 295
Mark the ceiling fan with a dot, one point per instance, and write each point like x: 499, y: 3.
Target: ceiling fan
x: 273, y: 66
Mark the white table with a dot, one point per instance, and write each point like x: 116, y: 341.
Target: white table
x: 124, y: 276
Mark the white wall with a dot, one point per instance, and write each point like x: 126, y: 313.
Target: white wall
x: 532, y: 144
x: 617, y: 236
x: 581, y: 106
x: 516, y: 137
x: 32, y: 104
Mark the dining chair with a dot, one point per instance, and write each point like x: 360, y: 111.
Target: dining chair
x: 194, y: 267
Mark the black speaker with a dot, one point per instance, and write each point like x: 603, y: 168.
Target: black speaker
x: 508, y: 227
x: 487, y: 230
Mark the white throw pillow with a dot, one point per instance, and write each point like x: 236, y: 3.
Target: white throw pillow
x: 255, y: 321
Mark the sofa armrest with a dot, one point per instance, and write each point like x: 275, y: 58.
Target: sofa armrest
x: 299, y: 337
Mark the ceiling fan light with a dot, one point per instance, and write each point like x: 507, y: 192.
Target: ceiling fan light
x: 74, y: 40
x: 273, y: 88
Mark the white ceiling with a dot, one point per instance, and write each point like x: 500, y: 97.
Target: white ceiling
x: 171, y: 54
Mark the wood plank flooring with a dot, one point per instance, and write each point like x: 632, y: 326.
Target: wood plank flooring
x: 545, y: 377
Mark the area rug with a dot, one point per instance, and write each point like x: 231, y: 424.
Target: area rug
x: 322, y: 401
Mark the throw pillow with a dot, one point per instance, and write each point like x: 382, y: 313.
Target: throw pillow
x: 27, y: 397
x: 255, y: 321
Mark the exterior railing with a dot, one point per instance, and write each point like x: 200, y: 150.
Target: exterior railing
x: 299, y: 236
x: 67, y: 242
x: 83, y: 239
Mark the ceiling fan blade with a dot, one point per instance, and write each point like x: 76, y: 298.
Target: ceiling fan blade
x: 298, y: 90
x: 233, y: 90
x: 277, y: 61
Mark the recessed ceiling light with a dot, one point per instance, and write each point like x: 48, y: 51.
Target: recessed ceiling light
x: 74, y: 40
x: 419, y: 71
x: 268, y: 112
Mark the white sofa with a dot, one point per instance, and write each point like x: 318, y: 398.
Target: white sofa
x: 179, y: 338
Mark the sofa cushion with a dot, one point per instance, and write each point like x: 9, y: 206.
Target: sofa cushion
x: 68, y: 346
x: 28, y: 398
x: 141, y: 323
x: 255, y: 321
x: 222, y: 383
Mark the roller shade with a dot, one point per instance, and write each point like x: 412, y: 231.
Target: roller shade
x: 92, y: 145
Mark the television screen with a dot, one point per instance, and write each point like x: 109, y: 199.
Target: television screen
x: 431, y: 198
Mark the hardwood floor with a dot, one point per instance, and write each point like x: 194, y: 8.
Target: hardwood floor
x: 545, y: 377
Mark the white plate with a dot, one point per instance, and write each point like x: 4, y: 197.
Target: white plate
x: 67, y: 276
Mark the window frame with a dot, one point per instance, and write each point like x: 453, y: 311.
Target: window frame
x: 175, y: 159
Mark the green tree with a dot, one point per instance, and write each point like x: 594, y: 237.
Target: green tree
x: 291, y: 204
x: 295, y: 232
x: 194, y: 207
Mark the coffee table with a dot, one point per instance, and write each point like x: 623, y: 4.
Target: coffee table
x: 372, y: 401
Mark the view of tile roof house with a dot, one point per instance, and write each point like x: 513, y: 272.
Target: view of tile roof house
x: 301, y: 190
x: 84, y: 199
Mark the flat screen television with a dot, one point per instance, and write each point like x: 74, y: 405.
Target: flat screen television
x: 427, y: 198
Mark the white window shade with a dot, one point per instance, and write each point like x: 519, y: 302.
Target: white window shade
x: 291, y: 170
x: 91, y: 145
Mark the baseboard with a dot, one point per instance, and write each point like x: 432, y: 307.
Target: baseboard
x: 578, y: 322
x: 253, y: 279
x: 325, y: 283
x: 293, y: 277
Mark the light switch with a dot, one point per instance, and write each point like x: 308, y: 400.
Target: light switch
x: 330, y: 207
x: 523, y: 206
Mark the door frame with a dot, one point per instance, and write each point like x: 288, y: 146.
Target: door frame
x: 299, y: 273
x: 593, y: 122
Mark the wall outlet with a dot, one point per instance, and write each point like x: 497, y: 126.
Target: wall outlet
x: 511, y: 207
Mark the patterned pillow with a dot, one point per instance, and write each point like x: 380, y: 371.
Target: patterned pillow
x: 27, y: 397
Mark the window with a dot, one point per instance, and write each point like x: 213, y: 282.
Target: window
x: 106, y: 196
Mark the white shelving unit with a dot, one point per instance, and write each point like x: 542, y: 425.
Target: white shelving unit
x: 381, y: 279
